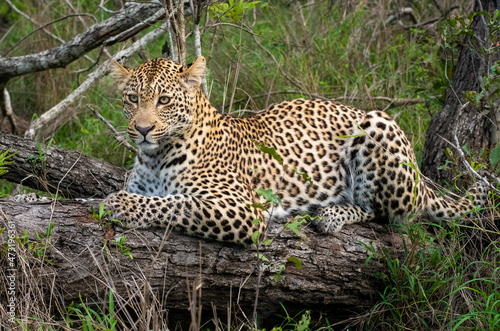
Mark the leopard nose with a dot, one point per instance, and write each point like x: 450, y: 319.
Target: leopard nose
x: 144, y: 129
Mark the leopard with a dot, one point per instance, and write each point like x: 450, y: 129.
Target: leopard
x: 198, y: 169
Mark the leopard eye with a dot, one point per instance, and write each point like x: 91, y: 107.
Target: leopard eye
x: 133, y: 98
x: 164, y: 100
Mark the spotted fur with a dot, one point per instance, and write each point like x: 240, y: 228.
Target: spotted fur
x: 197, y: 169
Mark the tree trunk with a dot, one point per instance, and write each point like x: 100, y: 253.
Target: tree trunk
x: 473, y: 126
x: 333, y: 279
x: 75, y: 174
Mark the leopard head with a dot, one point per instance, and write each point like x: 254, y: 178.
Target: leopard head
x: 158, y: 99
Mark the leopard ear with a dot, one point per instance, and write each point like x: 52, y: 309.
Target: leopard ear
x: 119, y: 74
x: 191, y: 77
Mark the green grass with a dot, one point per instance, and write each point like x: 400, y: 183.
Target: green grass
x: 446, y: 280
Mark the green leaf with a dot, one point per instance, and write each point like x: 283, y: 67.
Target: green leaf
x: 267, y: 242
x: 49, y: 229
x: 495, y: 156
x: 268, y: 150
x: 259, y: 206
x: 295, y: 225
x: 304, y: 176
x: 255, y: 237
x: 303, y: 324
x: 262, y: 257
x: 298, y: 263
x: 466, y: 150
x: 269, y: 195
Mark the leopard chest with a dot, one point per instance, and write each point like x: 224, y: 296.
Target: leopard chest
x: 160, y: 174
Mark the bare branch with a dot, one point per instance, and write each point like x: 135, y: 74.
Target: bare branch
x: 464, y: 159
x: 7, y: 111
x: 95, y: 36
x: 17, y: 10
x: 47, y: 24
x: 468, y: 166
x: 117, y: 136
x: 197, y: 40
x: 181, y: 36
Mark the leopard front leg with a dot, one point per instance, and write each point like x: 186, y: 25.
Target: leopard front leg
x: 197, y: 216
x: 334, y: 217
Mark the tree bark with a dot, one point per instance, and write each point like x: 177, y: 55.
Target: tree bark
x: 333, y: 279
x: 473, y: 126
x: 77, y: 175
x: 125, y: 23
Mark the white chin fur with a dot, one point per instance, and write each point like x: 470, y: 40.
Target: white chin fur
x: 147, y: 146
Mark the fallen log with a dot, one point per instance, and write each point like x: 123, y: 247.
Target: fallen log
x: 68, y: 172
x: 333, y: 278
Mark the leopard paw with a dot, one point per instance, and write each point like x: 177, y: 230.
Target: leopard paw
x: 328, y: 225
x: 31, y: 198
x: 121, y: 205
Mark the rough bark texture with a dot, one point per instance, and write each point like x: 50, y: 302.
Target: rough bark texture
x: 129, y: 18
x: 474, y: 128
x: 88, y: 177
x: 333, y: 279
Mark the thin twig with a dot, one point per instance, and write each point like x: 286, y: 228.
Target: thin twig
x: 462, y: 155
x: 117, y: 136
x: 181, y: 37
x: 8, y: 113
x: 45, y: 25
x: 20, y: 12
x: 54, y: 203
x: 197, y: 40
x: 468, y: 166
x: 237, y: 70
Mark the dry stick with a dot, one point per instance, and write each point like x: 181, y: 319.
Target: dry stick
x: 101, y: 71
x: 175, y: 30
x: 181, y: 37
x: 45, y: 25
x: 8, y: 113
x: 132, y: 31
x: 237, y: 71
x: 303, y: 26
x: 468, y: 166
x: 117, y: 136
x: 197, y: 41
x: 462, y: 155
x: 171, y: 32
x: 17, y: 10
